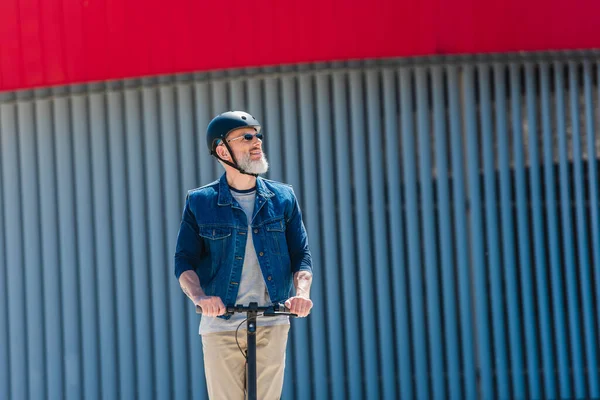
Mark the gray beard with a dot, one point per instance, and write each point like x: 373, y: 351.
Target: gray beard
x: 254, y: 167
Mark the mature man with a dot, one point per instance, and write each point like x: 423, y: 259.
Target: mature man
x: 242, y: 240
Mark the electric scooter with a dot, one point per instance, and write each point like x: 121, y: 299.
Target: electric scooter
x: 252, y: 310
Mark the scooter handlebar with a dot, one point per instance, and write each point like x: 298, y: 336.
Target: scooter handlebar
x: 272, y: 310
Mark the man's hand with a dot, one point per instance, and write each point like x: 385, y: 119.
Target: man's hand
x: 299, y: 305
x: 212, y: 306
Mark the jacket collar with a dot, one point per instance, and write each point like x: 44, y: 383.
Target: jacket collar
x: 225, y: 197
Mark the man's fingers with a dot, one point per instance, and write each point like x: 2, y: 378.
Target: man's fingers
x: 307, y: 307
x: 212, y: 306
x: 217, y: 307
x: 304, y: 309
x: 300, y: 306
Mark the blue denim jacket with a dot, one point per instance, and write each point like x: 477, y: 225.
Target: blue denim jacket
x: 213, y: 232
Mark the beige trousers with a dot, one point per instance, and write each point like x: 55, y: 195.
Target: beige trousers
x: 225, y: 365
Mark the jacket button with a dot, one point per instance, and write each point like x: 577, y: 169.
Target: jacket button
x: 269, y: 277
x: 256, y: 231
x: 261, y: 254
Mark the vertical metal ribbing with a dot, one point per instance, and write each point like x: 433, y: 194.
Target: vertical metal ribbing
x: 290, y: 135
x: 393, y: 169
x: 479, y: 270
x: 429, y: 243
x: 415, y: 273
x: 461, y: 234
x: 204, y: 162
x: 594, y: 201
x: 182, y: 312
x: 103, y: 272
x: 171, y: 212
x: 553, y: 238
x: 583, y: 259
x: 177, y: 119
x: 69, y: 276
x: 318, y: 322
x: 577, y: 371
x: 191, y: 147
x: 367, y: 305
x: 304, y: 358
x: 17, y: 333
x: 493, y: 260
x: 84, y: 204
x: 218, y: 104
x: 379, y: 237
x: 236, y: 92
x: 291, y: 138
x: 153, y: 201
x: 349, y: 279
x: 335, y: 355
x: 445, y: 237
x: 203, y: 114
x: 273, y: 128
x: 541, y: 266
x: 300, y: 333
x: 50, y: 254
x: 527, y: 296
x: 255, y: 96
x: 137, y: 234
x: 32, y: 258
x: 123, y: 277
x: 507, y: 226
x: 5, y: 372
x: 51, y: 266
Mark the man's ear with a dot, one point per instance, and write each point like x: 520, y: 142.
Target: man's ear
x: 223, y: 153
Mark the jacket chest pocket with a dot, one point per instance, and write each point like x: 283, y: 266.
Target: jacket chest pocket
x: 275, y: 232
x: 216, y: 238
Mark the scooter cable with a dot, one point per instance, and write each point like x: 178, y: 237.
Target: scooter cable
x: 236, y: 335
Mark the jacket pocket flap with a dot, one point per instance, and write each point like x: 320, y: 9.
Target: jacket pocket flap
x: 275, y: 226
x: 214, y: 233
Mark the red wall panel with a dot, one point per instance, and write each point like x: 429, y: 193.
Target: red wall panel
x: 51, y: 42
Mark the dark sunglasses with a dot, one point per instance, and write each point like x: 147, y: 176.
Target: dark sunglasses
x: 248, y: 137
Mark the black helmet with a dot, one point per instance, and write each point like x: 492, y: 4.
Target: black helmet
x: 224, y: 123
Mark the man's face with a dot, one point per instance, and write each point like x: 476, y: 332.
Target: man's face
x: 248, y: 153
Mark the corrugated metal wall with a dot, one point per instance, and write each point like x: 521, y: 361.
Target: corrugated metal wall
x: 452, y: 208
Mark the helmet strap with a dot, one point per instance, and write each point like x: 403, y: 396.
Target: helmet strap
x: 233, y: 164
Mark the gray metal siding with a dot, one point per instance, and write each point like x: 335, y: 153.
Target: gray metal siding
x: 452, y: 207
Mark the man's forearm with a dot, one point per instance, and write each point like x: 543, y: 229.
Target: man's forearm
x: 302, y: 282
x: 190, y: 284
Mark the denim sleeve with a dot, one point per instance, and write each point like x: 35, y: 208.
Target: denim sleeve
x: 297, y: 240
x: 189, y: 245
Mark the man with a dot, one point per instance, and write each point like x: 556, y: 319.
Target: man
x: 242, y: 240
